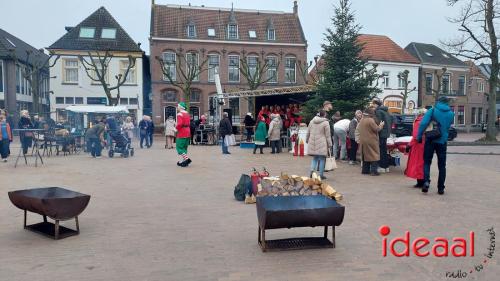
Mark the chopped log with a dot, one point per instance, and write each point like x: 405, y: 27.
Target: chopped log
x: 338, y: 196
x: 284, y: 176
x: 329, y: 190
x: 308, y: 192
x: 291, y: 181
x: 316, y: 187
x: 309, y: 182
x: 314, y: 192
x: 286, y: 194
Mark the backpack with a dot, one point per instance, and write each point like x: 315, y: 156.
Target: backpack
x: 243, y: 187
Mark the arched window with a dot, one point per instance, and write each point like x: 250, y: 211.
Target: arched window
x: 170, y: 111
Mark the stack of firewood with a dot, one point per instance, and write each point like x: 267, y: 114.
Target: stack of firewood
x: 294, y: 185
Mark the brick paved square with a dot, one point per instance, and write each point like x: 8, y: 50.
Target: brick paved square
x: 151, y: 220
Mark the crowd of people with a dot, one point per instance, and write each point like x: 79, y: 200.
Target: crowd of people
x: 369, y: 131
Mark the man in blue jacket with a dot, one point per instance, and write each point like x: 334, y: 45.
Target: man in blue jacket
x: 442, y: 114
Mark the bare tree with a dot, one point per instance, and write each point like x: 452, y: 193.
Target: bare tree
x: 33, y: 70
x: 303, y: 68
x: 404, y: 77
x: 182, y: 71
x: 96, y: 65
x: 255, y: 71
x: 436, y: 93
x: 478, y: 41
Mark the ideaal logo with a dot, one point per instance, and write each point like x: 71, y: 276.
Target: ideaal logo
x: 438, y: 247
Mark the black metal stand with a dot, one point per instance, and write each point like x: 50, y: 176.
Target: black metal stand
x: 51, y: 230
x: 296, y: 243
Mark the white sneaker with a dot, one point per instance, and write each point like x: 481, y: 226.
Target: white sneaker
x: 387, y: 170
x: 98, y: 157
x: 381, y: 170
x: 4, y: 160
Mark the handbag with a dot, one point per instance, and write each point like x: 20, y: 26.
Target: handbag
x: 229, y: 140
x: 433, y: 131
x: 330, y: 163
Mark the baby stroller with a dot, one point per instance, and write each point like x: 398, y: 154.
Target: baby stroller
x: 120, y: 144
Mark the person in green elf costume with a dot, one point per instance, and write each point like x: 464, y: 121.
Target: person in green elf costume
x: 183, y: 134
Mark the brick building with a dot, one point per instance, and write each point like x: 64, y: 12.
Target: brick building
x: 222, y: 38
x: 455, y: 81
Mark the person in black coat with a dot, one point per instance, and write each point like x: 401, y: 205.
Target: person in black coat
x: 143, y: 131
x: 151, y: 131
x: 249, y: 124
x: 25, y: 137
x: 225, y: 129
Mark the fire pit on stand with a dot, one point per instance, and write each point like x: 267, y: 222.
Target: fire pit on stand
x: 297, y: 211
x: 56, y: 203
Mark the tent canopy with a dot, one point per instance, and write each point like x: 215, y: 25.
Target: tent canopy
x: 97, y: 109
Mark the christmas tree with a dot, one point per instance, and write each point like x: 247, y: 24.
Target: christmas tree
x: 346, y: 79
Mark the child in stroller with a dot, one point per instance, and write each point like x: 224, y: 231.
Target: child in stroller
x: 120, y: 143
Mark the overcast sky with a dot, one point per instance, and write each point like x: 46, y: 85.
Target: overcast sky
x: 42, y: 22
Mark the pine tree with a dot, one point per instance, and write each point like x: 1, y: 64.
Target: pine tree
x: 345, y: 79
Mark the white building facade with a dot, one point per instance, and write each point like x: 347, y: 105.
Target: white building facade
x: 96, y: 37
x: 72, y: 86
x: 392, y: 86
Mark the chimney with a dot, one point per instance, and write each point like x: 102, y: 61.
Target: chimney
x: 295, y: 8
x: 68, y: 28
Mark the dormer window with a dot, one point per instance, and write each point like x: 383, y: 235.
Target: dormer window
x: 87, y: 32
x: 271, y: 34
x: 191, y: 31
x: 252, y: 34
x: 211, y: 32
x: 232, y: 31
x: 108, y: 33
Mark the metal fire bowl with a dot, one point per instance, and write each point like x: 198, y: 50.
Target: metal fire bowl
x: 54, y: 202
x: 298, y: 211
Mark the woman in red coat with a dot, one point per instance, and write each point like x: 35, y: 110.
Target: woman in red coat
x: 415, y: 165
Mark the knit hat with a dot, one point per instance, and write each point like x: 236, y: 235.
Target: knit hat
x: 182, y: 105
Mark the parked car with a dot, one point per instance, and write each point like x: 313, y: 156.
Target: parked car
x: 402, y: 125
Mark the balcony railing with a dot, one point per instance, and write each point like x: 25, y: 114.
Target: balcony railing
x: 453, y: 93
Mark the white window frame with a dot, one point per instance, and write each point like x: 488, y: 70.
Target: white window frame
x: 255, y: 67
x: 191, y: 27
x: 74, y: 68
x: 229, y: 31
x: 288, y: 69
x: 387, y: 80
x: 271, y: 32
x: 230, y: 67
x: 172, y: 68
x: 480, y: 85
x: 273, y: 68
x: 197, y: 78
x: 86, y: 28
x: 212, y: 67
x: 401, y: 81
x: 131, y: 78
x: 252, y: 34
x: 106, y: 31
x: 211, y: 32
x: 458, y: 88
x: 449, y: 84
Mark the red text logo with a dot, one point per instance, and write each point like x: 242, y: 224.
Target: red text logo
x: 422, y: 246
